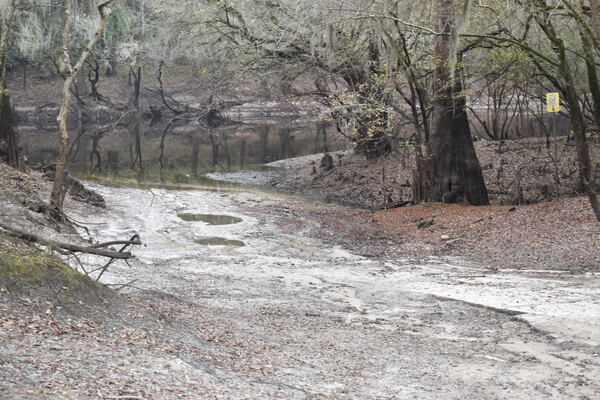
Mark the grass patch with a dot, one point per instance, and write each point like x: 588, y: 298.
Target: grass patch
x: 28, y: 271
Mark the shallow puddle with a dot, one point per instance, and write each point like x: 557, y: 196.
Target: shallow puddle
x: 211, y: 219
x: 218, y: 241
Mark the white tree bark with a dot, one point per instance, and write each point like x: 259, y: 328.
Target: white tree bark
x: 58, y: 188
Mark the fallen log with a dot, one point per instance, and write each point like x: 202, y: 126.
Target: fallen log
x: 119, y: 255
x: 134, y: 242
x: 135, y: 238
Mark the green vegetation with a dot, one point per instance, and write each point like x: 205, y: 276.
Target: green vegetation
x: 27, y: 270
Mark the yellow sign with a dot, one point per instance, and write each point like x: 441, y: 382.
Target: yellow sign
x: 553, y: 102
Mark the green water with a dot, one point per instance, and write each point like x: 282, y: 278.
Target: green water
x: 210, y: 219
x: 153, y: 155
x: 218, y: 241
x: 180, y: 160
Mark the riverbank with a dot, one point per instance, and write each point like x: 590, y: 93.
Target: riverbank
x: 561, y: 236
x: 526, y: 227
x: 516, y: 172
x: 111, y: 109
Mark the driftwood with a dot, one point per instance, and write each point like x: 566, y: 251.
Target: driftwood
x: 135, y: 239
x: 97, y: 250
x: 133, y: 242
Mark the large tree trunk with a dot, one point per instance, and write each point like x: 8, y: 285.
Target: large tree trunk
x: 453, y: 173
x: 9, y: 139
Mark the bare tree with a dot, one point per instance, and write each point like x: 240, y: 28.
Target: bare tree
x: 57, y: 196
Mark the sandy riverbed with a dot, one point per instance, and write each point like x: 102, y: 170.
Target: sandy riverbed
x: 293, y: 315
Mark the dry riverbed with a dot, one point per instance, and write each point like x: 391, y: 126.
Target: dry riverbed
x: 285, y: 304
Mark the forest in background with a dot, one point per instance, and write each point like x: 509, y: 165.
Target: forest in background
x: 236, y: 199
x: 427, y: 77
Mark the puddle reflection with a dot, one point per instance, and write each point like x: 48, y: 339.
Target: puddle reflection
x: 218, y: 241
x: 210, y: 219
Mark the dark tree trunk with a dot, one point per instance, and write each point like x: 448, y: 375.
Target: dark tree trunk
x: 161, y: 157
x: 264, y: 143
x: 321, y: 138
x: 195, y: 154
x: 9, y: 139
x: 453, y: 173
x: 137, y: 122
x: 215, y: 151
x: 94, y: 78
x: 454, y: 170
x: 95, y: 158
x: 242, y: 154
x: 137, y: 136
x: 137, y: 84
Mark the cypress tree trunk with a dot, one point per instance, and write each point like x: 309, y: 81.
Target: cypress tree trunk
x: 452, y: 171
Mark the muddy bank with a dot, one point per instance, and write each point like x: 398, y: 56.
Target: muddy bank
x: 561, y: 236
x: 550, y: 234
x: 24, y: 205
x: 515, y: 172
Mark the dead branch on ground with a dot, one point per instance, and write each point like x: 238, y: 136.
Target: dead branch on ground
x: 97, y: 250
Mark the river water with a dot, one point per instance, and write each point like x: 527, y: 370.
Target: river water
x: 163, y: 154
